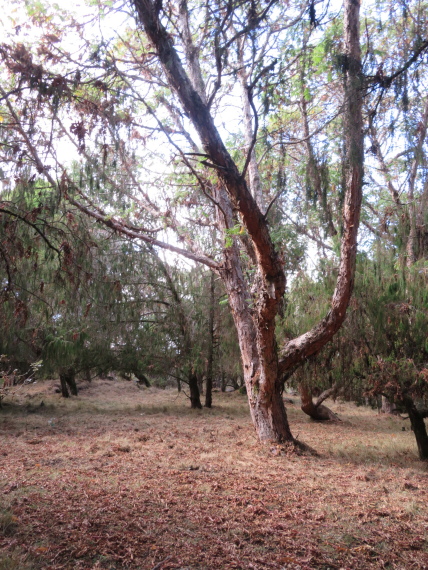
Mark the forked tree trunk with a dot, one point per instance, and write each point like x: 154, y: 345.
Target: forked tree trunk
x: 257, y: 344
x: 264, y: 387
x: 254, y: 311
x: 316, y: 410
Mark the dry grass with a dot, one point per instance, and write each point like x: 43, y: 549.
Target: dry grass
x: 127, y: 478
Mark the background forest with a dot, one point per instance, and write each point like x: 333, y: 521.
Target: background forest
x: 116, y: 233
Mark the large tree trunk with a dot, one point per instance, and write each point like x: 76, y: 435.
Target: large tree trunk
x: 257, y: 341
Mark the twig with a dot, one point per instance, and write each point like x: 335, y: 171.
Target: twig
x: 159, y: 564
x: 35, y: 228
x: 274, y: 199
x: 254, y: 139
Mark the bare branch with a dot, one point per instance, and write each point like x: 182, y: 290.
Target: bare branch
x: 119, y: 227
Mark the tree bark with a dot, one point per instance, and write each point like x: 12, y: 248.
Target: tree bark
x: 419, y: 428
x: 195, y: 399
x: 257, y: 343
x: 67, y: 377
x: 316, y: 410
x: 210, y: 355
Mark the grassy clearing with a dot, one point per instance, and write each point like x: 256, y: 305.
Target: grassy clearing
x: 127, y: 478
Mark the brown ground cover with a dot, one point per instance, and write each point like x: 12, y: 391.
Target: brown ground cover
x: 127, y: 478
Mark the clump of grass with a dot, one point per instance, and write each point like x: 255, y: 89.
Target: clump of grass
x: 7, y: 522
x: 8, y: 563
x: 13, y: 562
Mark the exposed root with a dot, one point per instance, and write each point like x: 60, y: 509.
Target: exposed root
x: 292, y: 448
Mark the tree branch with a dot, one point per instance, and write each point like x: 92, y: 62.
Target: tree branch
x: 121, y: 228
x: 35, y: 228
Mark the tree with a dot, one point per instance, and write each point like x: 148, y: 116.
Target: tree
x: 210, y: 353
x: 263, y: 370
x: 79, y: 298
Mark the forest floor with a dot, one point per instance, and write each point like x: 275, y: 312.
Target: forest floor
x: 122, y: 477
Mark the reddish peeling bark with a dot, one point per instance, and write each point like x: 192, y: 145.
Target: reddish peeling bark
x: 257, y: 345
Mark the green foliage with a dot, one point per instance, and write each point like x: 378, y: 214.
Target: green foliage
x: 397, y: 379
x: 237, y: 230
x: 382, y: 347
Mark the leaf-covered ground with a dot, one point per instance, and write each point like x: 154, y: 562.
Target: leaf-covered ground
x: 127, y: 478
